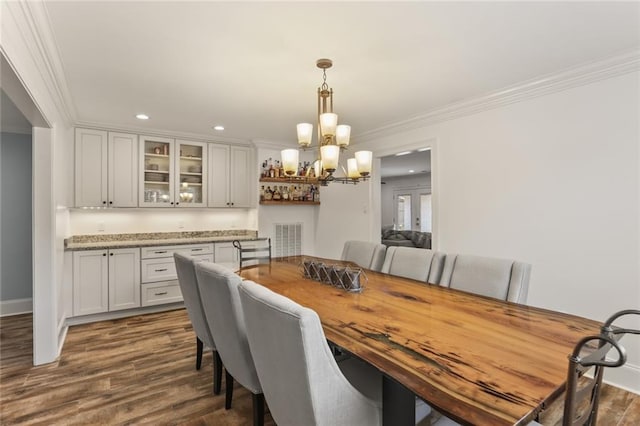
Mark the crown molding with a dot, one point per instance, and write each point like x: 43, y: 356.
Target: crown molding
x: 591, y: 72
x: 267, y: 144
x: 33, y: 23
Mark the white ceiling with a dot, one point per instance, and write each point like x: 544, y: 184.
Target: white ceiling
x: 251, y: 66
x: 392, y: 165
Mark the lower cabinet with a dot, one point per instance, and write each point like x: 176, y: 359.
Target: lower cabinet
x: 116, y: 279
x: 158, y: 269
x: 105, y: 280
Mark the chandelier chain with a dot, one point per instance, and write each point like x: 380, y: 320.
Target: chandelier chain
x: 324, y: 86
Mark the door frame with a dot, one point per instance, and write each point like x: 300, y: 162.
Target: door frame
x: 432, y: 144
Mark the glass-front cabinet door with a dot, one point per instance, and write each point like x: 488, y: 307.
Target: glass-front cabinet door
x: 190, y: 186
x: 157, y: 172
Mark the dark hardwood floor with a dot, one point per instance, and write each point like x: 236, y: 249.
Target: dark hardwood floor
x: 141, y: 370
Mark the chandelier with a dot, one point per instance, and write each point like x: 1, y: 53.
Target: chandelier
x: 332, y: 139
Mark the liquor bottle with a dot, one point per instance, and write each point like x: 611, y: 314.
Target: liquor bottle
x: 265, y: 169
x: 277, y: 195
x: 272, y: 172
x: 285, y: 194
x: 262, y: 193
x: 268, y: 195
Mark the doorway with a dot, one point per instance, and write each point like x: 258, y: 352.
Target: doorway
x: 406, y: 191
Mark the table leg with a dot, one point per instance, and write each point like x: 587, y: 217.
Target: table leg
x: 398, y: 404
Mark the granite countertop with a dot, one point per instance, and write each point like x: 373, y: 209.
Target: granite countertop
x: 106, y: 241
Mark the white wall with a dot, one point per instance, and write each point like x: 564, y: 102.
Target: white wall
x: 116, y: 221
x: 17, y: 277
x: 554, y: 181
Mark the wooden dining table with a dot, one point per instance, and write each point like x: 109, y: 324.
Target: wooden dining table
x: 478, y: 360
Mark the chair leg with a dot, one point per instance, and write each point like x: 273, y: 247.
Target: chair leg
x: 258, y: 409
x: 199, y: 348
x: 228, y: 390
x: 217, y: 373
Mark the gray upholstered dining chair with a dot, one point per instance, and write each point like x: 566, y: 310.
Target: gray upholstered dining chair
x: 364, y: 253
x: 302, y: 381
x: 583, y: 385
x: 223, y: 311
x: 185, y: 268
x: 498, y: 278
x: 415, y: 263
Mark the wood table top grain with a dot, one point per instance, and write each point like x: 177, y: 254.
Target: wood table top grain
x: 476, y: 359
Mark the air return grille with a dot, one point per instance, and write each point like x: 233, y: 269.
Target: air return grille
x: 288, y: 239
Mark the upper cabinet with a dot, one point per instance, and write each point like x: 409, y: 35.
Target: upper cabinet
x: 156, y: 171
x: 231, y: 176
x: 106, y: 169
x: 125, y: 170
x: 191, y: 169
x: 173, y: 173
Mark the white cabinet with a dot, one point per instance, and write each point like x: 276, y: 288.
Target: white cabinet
x: 173, y: 173
x: 106, y: 169
x: 124, y: 279
x: 105, y: 280
x: 90, y: 282
x: 227, y: 255
x: 231, y: 176
x: 159, y: 278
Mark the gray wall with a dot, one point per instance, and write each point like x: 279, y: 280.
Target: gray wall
x: 15, y: 216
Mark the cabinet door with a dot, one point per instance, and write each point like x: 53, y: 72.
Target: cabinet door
x: 218, y: 175
x: 124, y: 279
x: 91, y: 168
x: 156, y: 172
x: 123, y: 170
x: 90, y: 282
x: 226, y: 254
x: 241, y: 177
x: 191, y: 170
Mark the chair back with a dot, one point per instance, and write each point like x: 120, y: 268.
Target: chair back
x: 300, y: 377
x: 365, y: 254
x: 254, y: 251
x: 583, y: 391
x: 498, y: 278
x: 185, y: 268
x: 415, y: 263
x: 223, y: 311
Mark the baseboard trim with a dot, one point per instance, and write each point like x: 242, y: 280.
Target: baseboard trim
x: 626, y: 377
x: 16, y: 307
x: 105, y: 316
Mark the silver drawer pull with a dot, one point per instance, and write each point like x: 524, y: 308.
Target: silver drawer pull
x: 161, y: 270
x: 160, y: 294
x: 160, y: 252
x: 197, y: 249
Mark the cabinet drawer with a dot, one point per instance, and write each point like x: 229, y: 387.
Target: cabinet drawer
x: 158, y: 270
x: 167, y: 251
x: 160, y: 293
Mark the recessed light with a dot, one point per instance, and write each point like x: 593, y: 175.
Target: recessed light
x: 424, y: 149
x: 218, y: 128
x: 411, y: 171
x: 403, y: 153
x: 142, y: 117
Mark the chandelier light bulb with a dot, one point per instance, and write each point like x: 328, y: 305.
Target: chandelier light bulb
x: 305, y: 132
x: 363, y: 159
x: 329, y: 155
x: 343, y: 134
x: 289, y: 161
x: 328, y: 123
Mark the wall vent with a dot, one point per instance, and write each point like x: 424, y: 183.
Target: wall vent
x: 288, y: 239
